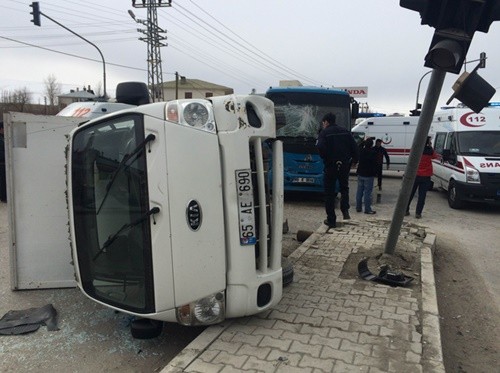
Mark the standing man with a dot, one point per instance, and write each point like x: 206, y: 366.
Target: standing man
x: 339, y: 151
x: 367, y: 170
x: 381, y: 154
x: 3, y: 186
x: 423, y: 178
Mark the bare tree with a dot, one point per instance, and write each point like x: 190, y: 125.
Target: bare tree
x: 52, y: 89
x: 16, y: 100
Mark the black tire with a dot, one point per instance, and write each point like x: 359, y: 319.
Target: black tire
x: 454, y: 200
x: 287, y: 269
x: 146, y: 328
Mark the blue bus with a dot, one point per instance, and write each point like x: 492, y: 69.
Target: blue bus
x: 299, y: 111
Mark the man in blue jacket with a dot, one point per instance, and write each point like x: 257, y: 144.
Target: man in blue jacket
x: 339, y: 152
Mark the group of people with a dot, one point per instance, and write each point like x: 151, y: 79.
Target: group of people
x: 340, y: 153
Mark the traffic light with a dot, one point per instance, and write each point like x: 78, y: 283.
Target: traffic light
x: 472, y: 90
x: 416, y: 112
x: 428, y: 9
x: 482, y: 60
x: 455, y: 22
x: 36, y: 13
x: 447, y: 51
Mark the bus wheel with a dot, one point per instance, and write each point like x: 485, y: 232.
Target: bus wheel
x: 454, y: 200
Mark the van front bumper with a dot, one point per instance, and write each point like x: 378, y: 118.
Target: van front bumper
x: 478, y: 192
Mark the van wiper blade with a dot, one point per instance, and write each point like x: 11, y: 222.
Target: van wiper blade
x: 122, y: 164
x: 478, y: 154
x: 113, y: 237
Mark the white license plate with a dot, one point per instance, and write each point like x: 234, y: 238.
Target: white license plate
x: 303, y: 180
x: 246, y: 206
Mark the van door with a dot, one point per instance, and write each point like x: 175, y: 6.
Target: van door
x: 439, y: 169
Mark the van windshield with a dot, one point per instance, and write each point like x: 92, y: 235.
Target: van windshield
x: 111, y: 212
x: 483, y: 143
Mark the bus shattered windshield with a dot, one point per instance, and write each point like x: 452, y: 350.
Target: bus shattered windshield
x: 299, y: 114
x: 111, y: 212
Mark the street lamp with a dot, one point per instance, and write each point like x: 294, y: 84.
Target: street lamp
x: 416, y: 111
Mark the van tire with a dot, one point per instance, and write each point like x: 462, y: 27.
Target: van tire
x: 146, y: 328
x: 287, y: 271
x: 454, y: 200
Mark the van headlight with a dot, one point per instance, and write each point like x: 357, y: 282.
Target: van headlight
x: 205, y: 311
x: 194, y: 113
x: 472, y: 175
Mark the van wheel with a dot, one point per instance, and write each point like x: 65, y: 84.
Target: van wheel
x: 287, y: 269
x: 454, y: 200
x: 146, y: 328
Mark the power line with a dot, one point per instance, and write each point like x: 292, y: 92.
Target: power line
x: 212, y: 32
x: 260, y: 54
x: 71, y: 54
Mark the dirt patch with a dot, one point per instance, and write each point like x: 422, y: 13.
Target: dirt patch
x: 404, y: 261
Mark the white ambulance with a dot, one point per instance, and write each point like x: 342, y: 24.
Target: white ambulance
x: 396, y: 134
x: 128, y: 95
x: 469, y: 145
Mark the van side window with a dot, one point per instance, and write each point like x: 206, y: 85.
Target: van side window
x: 452, y: 145
x: 439, y: 142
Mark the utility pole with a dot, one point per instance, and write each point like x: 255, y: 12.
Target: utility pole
x: 154, y: 40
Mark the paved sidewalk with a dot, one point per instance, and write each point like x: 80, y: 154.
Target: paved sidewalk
x: 329, y: 323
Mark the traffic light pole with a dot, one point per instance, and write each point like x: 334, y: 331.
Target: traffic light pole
x: 36, y: 20
x: 417, y: 147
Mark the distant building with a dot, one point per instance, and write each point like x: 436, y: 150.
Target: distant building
x: 290, y: 83
x: 193, y: 88
x: 86, y: 94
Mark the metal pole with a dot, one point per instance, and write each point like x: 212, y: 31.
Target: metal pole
x: 176, y: 85
x: 418, y: 87
x: 95, y: 46
x: 417, y: 147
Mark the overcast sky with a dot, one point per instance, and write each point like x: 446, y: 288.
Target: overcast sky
x: 244, y: 45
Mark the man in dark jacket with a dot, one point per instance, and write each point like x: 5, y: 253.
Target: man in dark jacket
x: 381, y: 154
x: 339, y: 151
x: 367, y: 170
